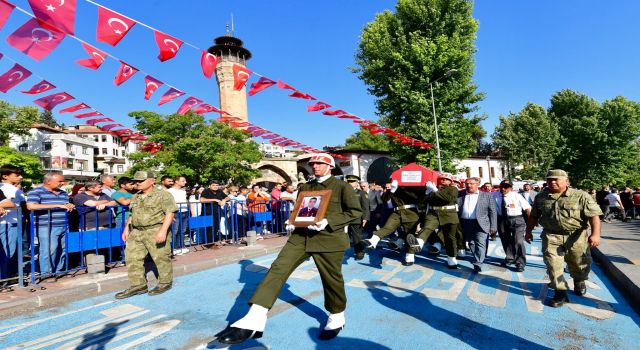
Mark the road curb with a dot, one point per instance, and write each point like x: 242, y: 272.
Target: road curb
x: 101, y: 287
x: 629, y: 289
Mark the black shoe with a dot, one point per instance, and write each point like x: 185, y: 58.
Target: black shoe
x: 412, y: 241
x: 519, y: 268
x: 127, y: 293
x: 393, y: 245
x: 408, y: 263
x: 359, y: 256
x: 504, y: 263
x: 580, y: 288
x: 328, y: 334
x: 160, y: 288
x: 237, y: 335
x: 559, y: 298
x: 477, y: 268
x: 452, y: 267
x: 362, y: 245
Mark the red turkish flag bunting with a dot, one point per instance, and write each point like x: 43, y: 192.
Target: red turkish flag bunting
x: 283, y: 85
x: 5, y: 11
x: 13, y: 77
x: 51, y: 101
x: 318, y: 107
x: 334, y: 112
x: 299, y: 94
x: 122, y: 131
x: 151, y: 85
x: 112, y: 26
x: 124, y: 73
x: 74, y: 108
x: 240, y: 76
x: 60, y: 14
x: 168, y: 46
x: 35, y: 40
x: 189, y: 103
x: 347, y: 116
x: 170, y: 95
x: 96, y: 59
x: 98, y: 120
x: 39, y: 88
x: 88, y: 114
x: 108, y: 127
x: 208, y: 62
x: 260, y: 85
x: 205, y: 108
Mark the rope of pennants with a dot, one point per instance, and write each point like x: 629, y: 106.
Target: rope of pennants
x: 38, y: 49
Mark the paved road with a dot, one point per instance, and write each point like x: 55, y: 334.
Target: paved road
x: 390, y: 307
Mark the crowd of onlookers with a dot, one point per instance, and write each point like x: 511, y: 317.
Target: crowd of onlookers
x: 618, y: 203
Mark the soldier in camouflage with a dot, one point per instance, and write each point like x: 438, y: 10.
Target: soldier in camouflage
x: 145, y: 233
x: 565, y: 215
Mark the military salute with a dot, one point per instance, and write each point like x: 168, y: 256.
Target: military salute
x: 355, y: 228
x: 325, y: 241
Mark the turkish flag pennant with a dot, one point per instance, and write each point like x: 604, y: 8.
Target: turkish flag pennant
x: 347, y: 116
x: 151, y: 85
x: 298, y: 94
x: 13, y: 77
x: 40, y: 87
x: 124, y: 73
x: 369, y: 126
x: 108, y: 127
x: 260, y: 85
x: 238, y: 124
x: 35, y: 40
x: 5, y: 11
x: 96, y: 59
x: 189, y: 103
x: 392, y: 133
x: 240, y: 76
x: 60, y: 14
x: 98, y: 120
x: 283, y: 85
x: 122, y: 132
x: 74, y: 108
x: 112, y: 26
x: 168, y: 46
x: 318, y: 107
x: 88, y: 114
x: 205, y: 108
x: 334, y: 112
x: 170, y: 95
x: 270, y: 136
x: 51, y: 101
x: 208, y: 62
x: 376, y: 131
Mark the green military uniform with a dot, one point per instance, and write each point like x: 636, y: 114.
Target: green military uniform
x: 327, y: 248
x: 442, y: 213
x: 405, y: 213
x: 355, y: 228
x: 147, y: 213
x: 564, y: 218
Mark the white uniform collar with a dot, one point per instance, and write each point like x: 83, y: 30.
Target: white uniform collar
x: 322, y: 178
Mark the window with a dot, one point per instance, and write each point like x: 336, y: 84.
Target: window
x: 468, y: 171
x: 120, y: 169
x: 113, y: 139
x: 95, y: 138
x: 96, y: 151
x: 104, y: 138
x: 23, y: 147
x: 85, y: 150
x: 493, y: 172
x: 69, y: 147
x: 46, y: 163
x: 46, y: 145
x: 104, y: 151
x: 480, y: 172
x: 115, y: 152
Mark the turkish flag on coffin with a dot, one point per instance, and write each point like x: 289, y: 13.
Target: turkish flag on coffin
x: 168, y: 45
x: 240, y: 76
x: 39, y: 88
x: 112, y: 26
x: 13, y: 77
x: 51, y: 101
x: 5, y: 11
x: 96, y: 59
x: 188, y: 104
x: 208, y: 63
x: 151, y: 85
x: 35, y: 40
x: 170, y: 95
x: 74, y: 108
x: 413, y: 174
x: 60, y: 14
x: 124, y: 73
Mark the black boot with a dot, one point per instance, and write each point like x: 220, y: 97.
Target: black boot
x: 363, y: 245
x: 559, y: 298
x: 237, y: 335
x: 580, y: 288
x: 412, y: 241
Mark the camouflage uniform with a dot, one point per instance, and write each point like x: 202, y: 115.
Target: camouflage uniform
x: 147, y: 213
x: 564, y: 218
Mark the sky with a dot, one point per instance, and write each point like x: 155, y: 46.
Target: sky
x: 526, y: 51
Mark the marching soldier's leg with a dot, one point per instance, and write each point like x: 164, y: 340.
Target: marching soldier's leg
x: 135, y: 252
x: 450, y: 243
x: 161, y: 255
x: 335, y: 299
x: 410, y: 228
x: 460, y: 241
x: 578, y: 258
x: 430, y: 224
x: 393, y: 222
x: 553, y: 253
x: 356, y: 234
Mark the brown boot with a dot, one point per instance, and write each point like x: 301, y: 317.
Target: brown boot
x: 127, y: 293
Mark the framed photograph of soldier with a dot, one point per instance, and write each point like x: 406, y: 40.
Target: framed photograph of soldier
x: 310, y: 207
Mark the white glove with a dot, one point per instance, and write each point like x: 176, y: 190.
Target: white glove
x: 431, y: 187
x: 394, y: 186
x: 288, y: 227
x: 319, y: 226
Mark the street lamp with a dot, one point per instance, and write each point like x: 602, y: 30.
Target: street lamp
x: 435, y: 119
x: 489, y: 169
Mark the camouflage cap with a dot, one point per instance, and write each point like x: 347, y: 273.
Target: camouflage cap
x: 556, y: 173
x: 142, y: 175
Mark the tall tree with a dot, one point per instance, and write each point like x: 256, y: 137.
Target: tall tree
x: 363, y: 140
x: 528, y: 138
x: 402, y: 54
x: 46, y: 118
x: 29, y: 163
x: 15, y: 120
x: 196, y: 148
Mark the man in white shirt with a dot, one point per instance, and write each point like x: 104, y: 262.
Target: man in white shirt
x: 615, y: 205
x: 528, y: 193
x: 512, y: 226
x: 181, y: 218
x: 107, y: 184
x: 14, y: 198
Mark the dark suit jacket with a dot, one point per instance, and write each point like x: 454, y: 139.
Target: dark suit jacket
x: 486, y: 211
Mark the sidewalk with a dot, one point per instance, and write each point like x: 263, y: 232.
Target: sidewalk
x: 619, y: 256
x: 82, y: 285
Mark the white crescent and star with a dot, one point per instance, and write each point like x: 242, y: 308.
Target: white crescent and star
x: 117, y: 20
x: 98, y: 55
x: 152, y: 86
x: 58, y: 98
x: 210, y: 58
x: 43, y: 87
x: 37, y: 39
x: 19, y: 75
x: 170, y: 42
x: 127, y: 71
x: 241, y: 73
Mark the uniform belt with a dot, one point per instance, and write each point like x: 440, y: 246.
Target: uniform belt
x: 407, y: 206
x: 444, y: 207
x: 146, y: 227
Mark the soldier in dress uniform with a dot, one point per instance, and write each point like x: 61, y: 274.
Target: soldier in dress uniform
x: 325, y: 241
x: 355, y: 228
x: 147, y: 232
x: 565, y: 215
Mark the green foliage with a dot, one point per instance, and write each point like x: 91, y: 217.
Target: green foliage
x: 364, y: 140
x: 15, y: 120
x: 195, y: 148
x: 402, y: 53
x: 30, y: 164
x: 598, y: 142
x: 528, y: 138
x: 46, y: 118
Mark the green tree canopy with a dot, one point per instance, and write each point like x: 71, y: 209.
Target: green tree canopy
x: 364, y: 140
x: 402, y: 54
x: 198, y: 149
x: 29, y: 163
x: 16, y: 120
x: 47, y: 118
